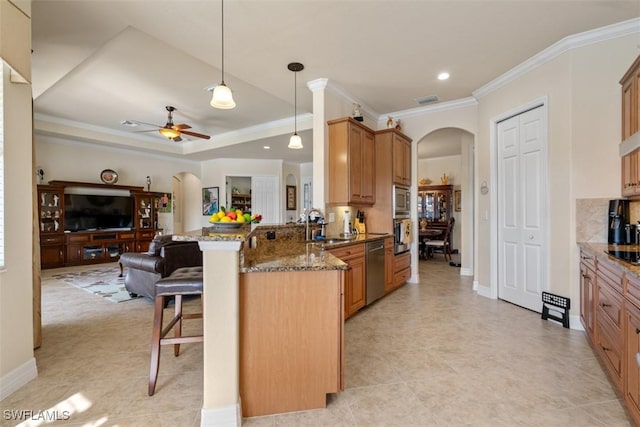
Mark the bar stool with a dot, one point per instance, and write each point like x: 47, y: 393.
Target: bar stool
x: 183, y: 281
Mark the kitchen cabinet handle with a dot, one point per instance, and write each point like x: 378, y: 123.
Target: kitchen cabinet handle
x: 605, y: 348
x: 585, y: 275
x: 603, y: 305
x: 637, y: 330
x: 585, y: 257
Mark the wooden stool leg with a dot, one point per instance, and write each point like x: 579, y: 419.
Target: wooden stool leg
x: 178, y: 331
x: 155, y: 344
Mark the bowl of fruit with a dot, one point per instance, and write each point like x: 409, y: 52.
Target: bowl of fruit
x: 233, y: 218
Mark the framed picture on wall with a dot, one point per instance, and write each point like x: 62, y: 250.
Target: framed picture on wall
x: 210, y: 198
x: 456, y: 200
x: 291, y: 198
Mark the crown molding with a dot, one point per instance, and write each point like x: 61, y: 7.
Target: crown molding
x: 342, y: 93
x: 317, y: 84
x: 429, y: 109
x: 568, y: 43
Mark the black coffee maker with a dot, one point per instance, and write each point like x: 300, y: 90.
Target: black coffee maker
x: 618, y: 219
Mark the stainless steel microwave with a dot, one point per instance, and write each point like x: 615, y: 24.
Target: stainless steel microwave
x: 401, y: 202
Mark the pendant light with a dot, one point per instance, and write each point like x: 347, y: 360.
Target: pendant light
x: 222, y: 96
x: 295, y: 142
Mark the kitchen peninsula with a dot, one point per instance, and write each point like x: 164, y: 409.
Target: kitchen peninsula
x: 273, y: 320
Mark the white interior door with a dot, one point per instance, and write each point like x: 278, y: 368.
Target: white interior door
x: 265, y: 198
x: 522, y: 209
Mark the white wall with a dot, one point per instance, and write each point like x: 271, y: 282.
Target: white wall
x: 17, y: 362
x: 214, y: 172
x: 54, y: 156
x: 584, y: 127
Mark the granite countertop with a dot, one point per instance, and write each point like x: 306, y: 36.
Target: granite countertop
x: 282, y: 254
x: 600, y: 251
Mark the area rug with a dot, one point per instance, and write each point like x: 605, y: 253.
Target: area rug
x: 103, y: 282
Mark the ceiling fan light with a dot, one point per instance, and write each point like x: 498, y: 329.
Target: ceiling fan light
x: 169, y: 133
x: 222, y: 97
x: 295, y: 142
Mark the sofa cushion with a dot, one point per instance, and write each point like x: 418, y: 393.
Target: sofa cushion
x: 157, y: 243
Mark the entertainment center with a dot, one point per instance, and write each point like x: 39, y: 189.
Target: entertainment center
x: 87, y: 223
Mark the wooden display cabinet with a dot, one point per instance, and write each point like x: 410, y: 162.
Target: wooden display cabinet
x: 351, y: 163
x: 435, y: 204
x: 50, y: 214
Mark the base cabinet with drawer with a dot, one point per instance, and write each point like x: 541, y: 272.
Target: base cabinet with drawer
x: 89, y: 248
x: 401, y: 269
x: 355, y: 296
x: 612, y: 320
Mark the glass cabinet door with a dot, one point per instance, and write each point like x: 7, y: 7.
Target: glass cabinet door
x: 420, y: 204
x: 442, y: 207
x: 429, y: 206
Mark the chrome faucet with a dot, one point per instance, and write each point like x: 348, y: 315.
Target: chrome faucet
x: 307, y: 235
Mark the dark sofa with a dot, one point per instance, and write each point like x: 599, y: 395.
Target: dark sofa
x: 164, y: 256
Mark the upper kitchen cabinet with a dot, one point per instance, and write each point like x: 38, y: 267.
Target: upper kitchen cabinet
x: 631, y: 100
x: 630, y: 147
x: 400, y: 151
x: 352, y: 163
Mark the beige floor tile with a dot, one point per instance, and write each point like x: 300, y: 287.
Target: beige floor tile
x: 430, y: 354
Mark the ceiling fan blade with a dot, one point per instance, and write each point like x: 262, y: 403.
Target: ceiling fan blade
x: 197, y: 135
x: 181, y: 126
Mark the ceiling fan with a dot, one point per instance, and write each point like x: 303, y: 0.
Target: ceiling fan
x: 171, y: 131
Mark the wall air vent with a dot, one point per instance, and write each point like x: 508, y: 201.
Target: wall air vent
x: 427, y: 99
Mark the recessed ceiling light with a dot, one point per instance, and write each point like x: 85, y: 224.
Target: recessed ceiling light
x: 443, y: 76
x: 266, y: 147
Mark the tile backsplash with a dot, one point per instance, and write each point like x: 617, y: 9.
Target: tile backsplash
x: 592, y: 219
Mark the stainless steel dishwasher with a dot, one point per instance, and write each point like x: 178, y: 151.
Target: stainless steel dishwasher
x: 375, y: 270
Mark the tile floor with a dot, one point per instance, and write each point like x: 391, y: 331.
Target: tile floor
x: 430, y: 354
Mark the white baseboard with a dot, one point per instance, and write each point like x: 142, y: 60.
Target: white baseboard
x: 484, y: 291
x: 475, y: 285
x: 17, y: 378
x: 575, y: 323
x: 229, y: 416
x: 466, y: 271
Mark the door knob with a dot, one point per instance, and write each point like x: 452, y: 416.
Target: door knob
x: 530, y: 236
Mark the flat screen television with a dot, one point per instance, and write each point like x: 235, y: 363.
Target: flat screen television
x: 83, y: 212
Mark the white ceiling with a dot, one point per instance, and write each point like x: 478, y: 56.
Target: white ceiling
x: 97, y: 63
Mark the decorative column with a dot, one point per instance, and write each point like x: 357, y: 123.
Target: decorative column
x: 220, y: 305
x: 320, y: 164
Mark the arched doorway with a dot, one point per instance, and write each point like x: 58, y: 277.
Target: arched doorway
x: 450, y: 151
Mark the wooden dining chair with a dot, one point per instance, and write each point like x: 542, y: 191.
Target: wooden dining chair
x: 443, y: 245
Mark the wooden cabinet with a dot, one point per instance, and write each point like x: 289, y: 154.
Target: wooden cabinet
x: 355, y: 278
x: 352, y: 160
x: 630, y: 83
x: 401, y: 269
x: 291, y: 349
x: 396, y: 147
x: 587, y: 292
x: 435, y: 204
x: 608, y: 320
x: 632, y: 349
x: 388, y: 265
x: 96, y: 247
x: 51, y: 217
x: 146, y: 210
x: 242, y: 202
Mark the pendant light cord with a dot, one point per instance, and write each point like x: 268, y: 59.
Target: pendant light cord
x: 222, y: 26
x: 295, y: 103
